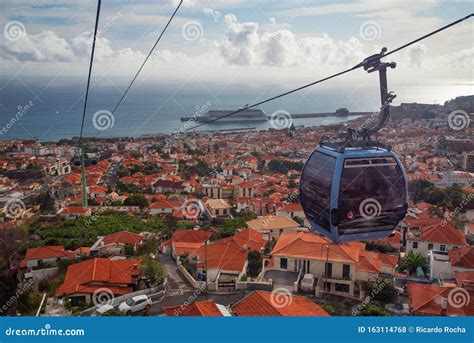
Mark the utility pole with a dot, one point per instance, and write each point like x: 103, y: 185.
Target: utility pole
x: 83, y: 180
x: 326, y: 269
x: 205, y: 250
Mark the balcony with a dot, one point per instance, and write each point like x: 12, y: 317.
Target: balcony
x: 335, y: 278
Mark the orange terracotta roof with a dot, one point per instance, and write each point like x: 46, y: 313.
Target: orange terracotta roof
x: 272, y: 222
x: 181, y: 248
x: 446, y: 234
x: 123, y: 237
x: 225, y: 255
x: 371, y: 261
x: 462, y: 257
x: 427, y: 300
x: 393, y: 240
x: 292, y: 207
x: 205, y: 308
x: 50, y: 251
x: 75, y: 210
x: 465, y: 279
x: 311, y: 246
x: 191, y: 236
x: 90, y: 275
x: 260, y: 303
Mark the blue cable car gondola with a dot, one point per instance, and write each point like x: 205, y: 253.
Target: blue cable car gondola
x: 355, y: 194
x: 355, y: 189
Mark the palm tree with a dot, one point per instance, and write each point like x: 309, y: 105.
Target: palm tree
x: 411, y: 262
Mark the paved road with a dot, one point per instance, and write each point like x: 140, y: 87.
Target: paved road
x: 189, y: 297
x: 177, y: 283
x: 180, y: 291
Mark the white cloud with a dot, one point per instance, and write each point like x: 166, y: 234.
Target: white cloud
x: 416, y: 53
x: 238, y: 46
x: 42, y: 47
x: 213, y: 13
x: 244, y: 45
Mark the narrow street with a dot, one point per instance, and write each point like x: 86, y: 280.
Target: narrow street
x: 177, y: 283
x: 180, y: 291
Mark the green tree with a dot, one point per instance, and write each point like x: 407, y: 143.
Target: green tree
x: 129, y: 249
x: 255, y: 263
x: 382, y: 290
x: 372, y: 309
x: 152, y: 272
x: 46, y: 202
x: 418, y: 189
x: 136, y: 200
x: 411, y: 262
x: 114, y: 313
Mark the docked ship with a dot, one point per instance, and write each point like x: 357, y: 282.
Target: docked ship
x: 246, y: 115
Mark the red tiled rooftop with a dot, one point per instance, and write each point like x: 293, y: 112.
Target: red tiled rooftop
x: 446, y: 234
x: 427, y: 300
x: 260, y: 303
x: 205, y: 308
x: 90, y: 275
x: 462, y: 257
x: 123, y: 237
x: 191, y: 236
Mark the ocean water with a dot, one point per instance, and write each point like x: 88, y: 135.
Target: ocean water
x: 36, y: 111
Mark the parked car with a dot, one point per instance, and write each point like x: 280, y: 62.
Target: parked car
x: 307, y: 283
x: 135, y: 304
x: 102, y: 310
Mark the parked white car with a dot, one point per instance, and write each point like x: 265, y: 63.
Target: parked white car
x: 102, y: 310
x: 307, y: 283
x: 135, y: 304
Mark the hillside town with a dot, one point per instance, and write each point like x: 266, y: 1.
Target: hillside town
x: 210, y: 224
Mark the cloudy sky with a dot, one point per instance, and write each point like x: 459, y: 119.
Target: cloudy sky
x: 239, y: 42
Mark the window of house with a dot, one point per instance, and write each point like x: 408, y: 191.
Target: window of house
x: 442, y: 247
x: 346, y: 271
x: 281, y: 231
x: 328, y: 269
x: 295, y: 266
x: 342, y: 288
x: 430, y: 246
x: 415, y: 245
x: 283, y: 263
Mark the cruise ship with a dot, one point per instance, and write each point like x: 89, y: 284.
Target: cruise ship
x: 247, y: 115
